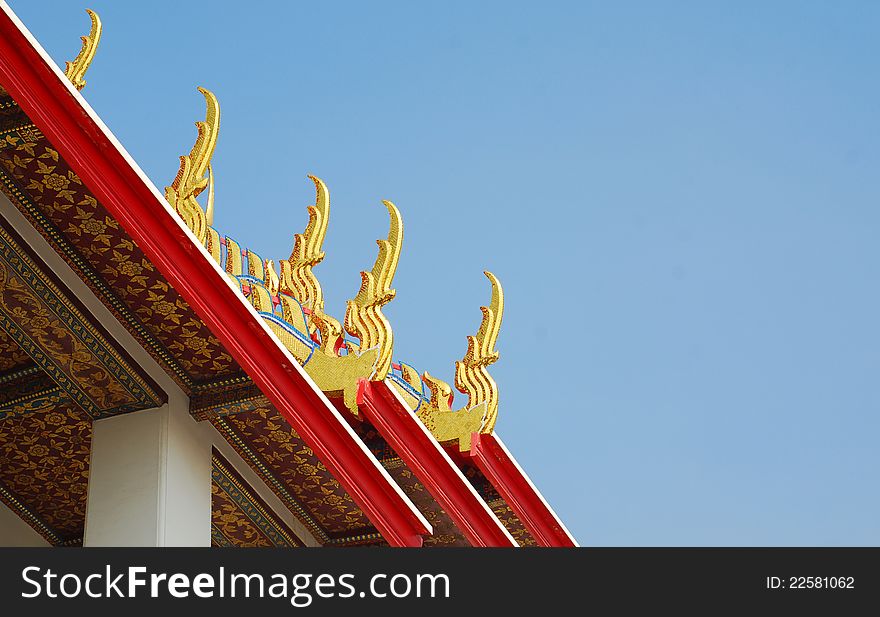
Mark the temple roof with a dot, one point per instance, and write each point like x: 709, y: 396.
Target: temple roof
x: 358, y: 446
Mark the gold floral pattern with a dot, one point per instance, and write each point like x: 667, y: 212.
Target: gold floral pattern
x: 40, y: 183
x: 238, y: 516
x: 512, y: 522
x: 11, y: 355
x: 446, y: 533
x: 290, y: 468
x: 44, y: 470
x: 44, y: 322
x: 230, y: 526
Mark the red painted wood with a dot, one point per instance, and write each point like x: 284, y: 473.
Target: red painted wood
x: 490, y: 457
x: 52, y: 105
x: 405, y: 433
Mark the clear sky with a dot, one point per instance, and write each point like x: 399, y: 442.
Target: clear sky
x: 682, y: 201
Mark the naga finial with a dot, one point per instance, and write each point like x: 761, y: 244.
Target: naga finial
x: 75, y: 71
x: 297, y: 277
x: 471, y: 376
x: 299, y: 294
x: 195, y: 173
x: 363, y: 314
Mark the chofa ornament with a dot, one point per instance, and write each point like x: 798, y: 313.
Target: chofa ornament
x: 292, y: 304
x: 363, y: 314
x: 75, y: 71
x: 337, y: 365
x: 195, y: 174
x: 471, y: 378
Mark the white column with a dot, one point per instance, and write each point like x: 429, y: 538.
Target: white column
x: 15, y: 532
x: 150, y: 480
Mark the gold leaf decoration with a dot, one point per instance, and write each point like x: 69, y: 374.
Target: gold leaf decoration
x: 445, y: 424
x: 297, y: 278
x: 471, y: 378
x: 363, y: 315
x: 471, y: 374
x: 195, y: 174
x: 75, y: 71
x: 299, y: 291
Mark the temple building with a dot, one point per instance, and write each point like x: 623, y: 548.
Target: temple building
x: 162, y: 385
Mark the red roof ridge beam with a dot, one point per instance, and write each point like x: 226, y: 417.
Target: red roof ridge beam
x: 498, y: 465
x: 57, y: 108
x: 430, y: 463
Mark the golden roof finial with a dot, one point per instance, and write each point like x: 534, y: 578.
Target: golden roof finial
x: 363, y: 314
x: 471, y: 376
x: 297, y: 278
x: 75, y: 71
x: 302, y: 307
x: 195, y: 173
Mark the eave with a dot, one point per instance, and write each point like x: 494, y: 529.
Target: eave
x: 60, y: 112
x: 404, y: 432
x: 490, y: 455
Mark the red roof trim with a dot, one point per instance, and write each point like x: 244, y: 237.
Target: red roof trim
x: 404, y: 432
x: 57, y: 109
x: 500, y: 468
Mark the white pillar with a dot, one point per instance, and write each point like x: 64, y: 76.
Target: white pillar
x: 149, y: 480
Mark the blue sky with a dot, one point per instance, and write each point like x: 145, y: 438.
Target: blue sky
x: 680, y: 199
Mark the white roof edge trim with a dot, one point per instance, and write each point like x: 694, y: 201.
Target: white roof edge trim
x: 449, y: 462
x: 534, y: 488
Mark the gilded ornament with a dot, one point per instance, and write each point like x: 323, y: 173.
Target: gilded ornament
x: 195, y: 174
x: 363, y: 314
x: 471, y: 374
x: 297, y: 278
x: 75, y: 71
x: 471, y: 378
x: 299, y: 281
x: 299, y: 290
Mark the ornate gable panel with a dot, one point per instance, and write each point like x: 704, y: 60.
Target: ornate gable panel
x: 46, y: 321
x: 44, y: 470
x: 27, y: 390
x: 289, y: 467
x: 12, y: 356
x: 44, y: 188
x: 238, y: 516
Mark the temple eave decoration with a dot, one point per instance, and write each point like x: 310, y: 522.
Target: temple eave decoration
x: 195, y: 174
x: 105, y: 250
x: 292, y: 304
x: 75, y: 70
x: 471, y: 378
